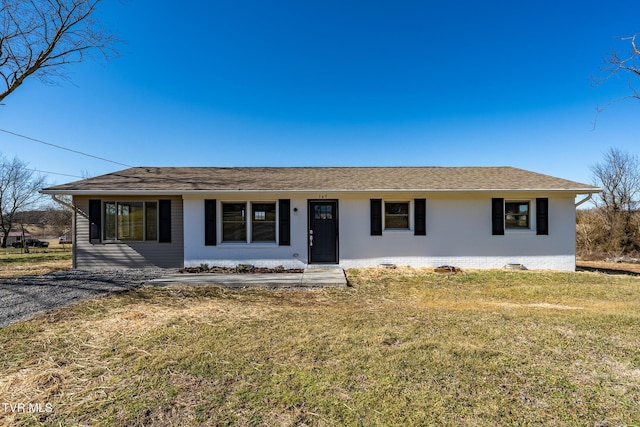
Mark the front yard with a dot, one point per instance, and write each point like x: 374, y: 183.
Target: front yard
x: 15, y: 263
x: 399, y: 347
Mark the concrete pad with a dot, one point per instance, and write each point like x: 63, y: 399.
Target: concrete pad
x: 310, y: 278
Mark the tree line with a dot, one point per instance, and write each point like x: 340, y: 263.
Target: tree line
x: 612, y: 227
x: 21, y: 204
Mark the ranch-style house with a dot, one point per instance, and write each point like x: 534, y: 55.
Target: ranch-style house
x: 468, y: 217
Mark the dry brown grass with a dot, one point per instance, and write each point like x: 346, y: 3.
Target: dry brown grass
x: 609, y: 266
x: 9, y: 270
x: 400, y: 347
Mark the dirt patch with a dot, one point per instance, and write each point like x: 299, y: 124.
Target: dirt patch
x: 632, y: 269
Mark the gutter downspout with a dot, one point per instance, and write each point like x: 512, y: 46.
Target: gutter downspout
x: 585, y: 199
x: 63, y: 203
x: 73, y: 226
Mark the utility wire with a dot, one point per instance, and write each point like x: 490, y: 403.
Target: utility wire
x: 54, y: 173
x: 64, y: 148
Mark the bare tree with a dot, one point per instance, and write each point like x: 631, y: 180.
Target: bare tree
x: 41, y: 37
x: 619, y: 177
x: 19, y: 188
x: 59, y: 219
x: 628, y: 65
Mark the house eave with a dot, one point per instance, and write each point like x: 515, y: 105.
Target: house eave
x: 168, y: 192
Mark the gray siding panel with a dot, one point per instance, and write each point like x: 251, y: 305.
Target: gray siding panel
x: 128, y: 254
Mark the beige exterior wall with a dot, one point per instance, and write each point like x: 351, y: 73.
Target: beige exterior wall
x: 127, y: 254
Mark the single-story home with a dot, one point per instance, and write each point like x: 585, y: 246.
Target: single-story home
x: 15, y: 236
x: 468, y: 217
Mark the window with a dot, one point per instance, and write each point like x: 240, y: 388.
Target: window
x: 396, y: 215
x: 130, y: 221
x: 151, y: 221
x: 263, y: 222
x: 516, y: 215
x: 234, y: 222
x: 323, y: 212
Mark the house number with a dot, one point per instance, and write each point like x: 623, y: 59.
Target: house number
x: 322, y: 196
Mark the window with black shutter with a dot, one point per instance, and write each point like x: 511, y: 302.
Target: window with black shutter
x: 376, y: 217
x: 542, y: 216
x: 210, y: 234
x: 284, y: 222
x: 420, y: 217
x: 164, y: 221
x: 497, y: 216
x: 95, y: 213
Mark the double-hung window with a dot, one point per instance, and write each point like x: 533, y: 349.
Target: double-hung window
x: 396, y: 215
x: 516, y: 215
x: 263, y: 222
x: 234, y: 222
x: 260, y: 225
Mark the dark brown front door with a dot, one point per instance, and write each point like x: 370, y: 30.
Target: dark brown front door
x: 323, y: 231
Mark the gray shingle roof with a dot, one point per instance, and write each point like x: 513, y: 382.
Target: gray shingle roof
x: 179, y: 180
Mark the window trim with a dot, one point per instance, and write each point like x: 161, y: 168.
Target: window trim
x: 529, y: 226
x: 222, y: 222
x: 116, y: 203
x: 248, y: 223
x: 275, y: 223
x: 538, y: 216
x: 409, y: 227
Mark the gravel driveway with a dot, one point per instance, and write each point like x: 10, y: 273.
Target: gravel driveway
x: 21, y: 298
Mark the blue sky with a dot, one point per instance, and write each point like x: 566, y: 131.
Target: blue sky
x: 337, y: 83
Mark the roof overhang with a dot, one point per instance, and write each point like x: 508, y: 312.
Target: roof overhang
x: 320, y: 190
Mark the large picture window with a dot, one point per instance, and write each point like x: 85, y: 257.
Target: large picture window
x: 130, y: 221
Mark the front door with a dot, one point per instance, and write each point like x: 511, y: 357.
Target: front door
x: 323, y: 231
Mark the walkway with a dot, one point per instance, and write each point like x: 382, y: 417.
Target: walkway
x: 331, y: 277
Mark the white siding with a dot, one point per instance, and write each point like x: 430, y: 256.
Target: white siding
x: 458, y: 233
x: 232, y: 254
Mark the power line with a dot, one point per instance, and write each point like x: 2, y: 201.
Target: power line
x: 64, y: 148
x: 54, y: 173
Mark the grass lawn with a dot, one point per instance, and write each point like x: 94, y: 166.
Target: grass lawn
x: 400, y: 347
x: 13, y: 262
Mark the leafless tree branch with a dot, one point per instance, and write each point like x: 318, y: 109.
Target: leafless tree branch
x: 42, y: 37
x: 615, y: 65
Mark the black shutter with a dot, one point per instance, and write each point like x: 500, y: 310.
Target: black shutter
x: 164, y: 221
x: 284, y: 223
x: 95, y: 214
x: 542, y: 216
x: 376, y: 217
x: 497, y: 216
x: 210, y: 235
x: 420, y: 217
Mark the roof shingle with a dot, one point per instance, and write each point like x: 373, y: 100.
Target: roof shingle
x: 177, y: 180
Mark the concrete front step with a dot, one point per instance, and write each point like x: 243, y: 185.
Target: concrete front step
x: 325, y: 277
